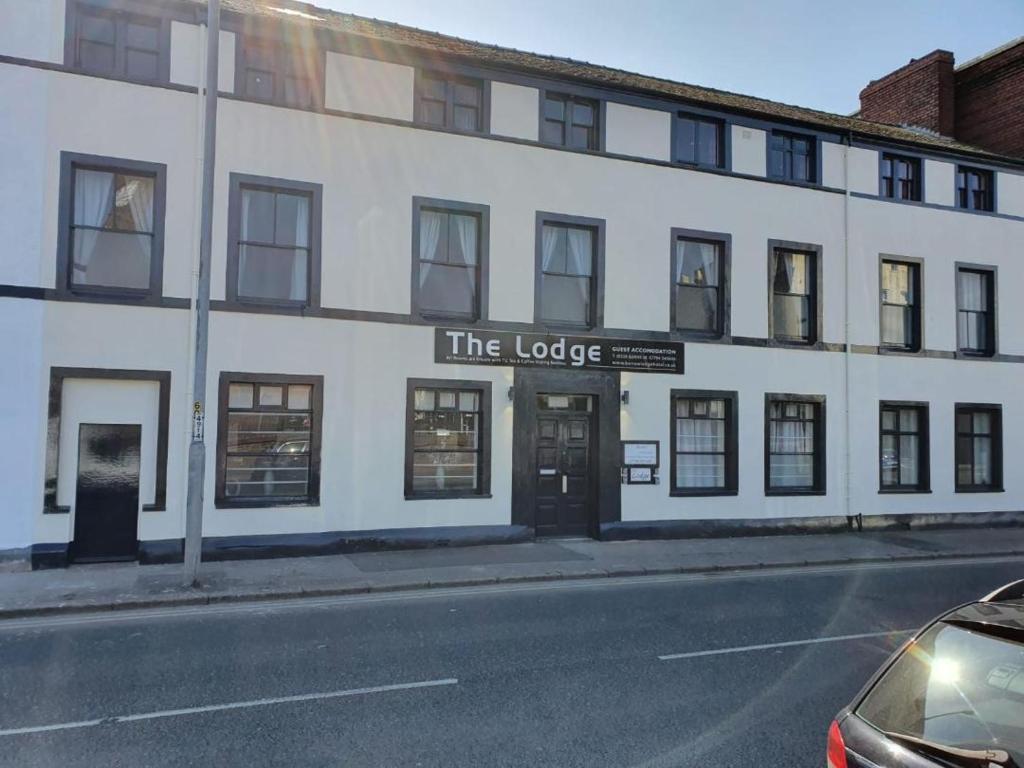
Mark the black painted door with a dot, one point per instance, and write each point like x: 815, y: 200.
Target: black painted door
x: 564, y: 486
x: 107, y: 493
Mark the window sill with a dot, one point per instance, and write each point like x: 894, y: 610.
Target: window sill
x: 679, y: 493
x: 223, y: 503
x: 794, y: 492
x: 962, y: 354
x: 445, y: 496
x: 989, y: 489
x: 899, y: 351
x: 903, y: 491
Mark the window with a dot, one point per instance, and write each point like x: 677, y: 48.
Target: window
x: 283, y: 74
x: 791, y: 157
x: 268, y: 440
x: 979, y: 448
x: 794, y: 309
x: 704, y: 430
x: 111, y: 234
x: 450, y: 102
x: 447, y: 437
x: 903, y: 447
x: 570, y: 121
x: 975, y: 311
x: 698, y: 141
x: 698, y: 282
x: 118, y: 44
x: 274, y: 238
x: 900, y: 305
x: 449, y: 259
x: 974, y: 189
x: 794, y: 444
x: 901, y: 177
x: 569, y: 252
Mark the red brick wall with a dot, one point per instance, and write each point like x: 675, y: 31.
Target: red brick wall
x: 990, y: 102
x: 920, y: 94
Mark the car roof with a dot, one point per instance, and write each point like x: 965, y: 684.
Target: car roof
x: 1008, y: 615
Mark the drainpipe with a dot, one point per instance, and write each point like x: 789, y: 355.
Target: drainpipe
x: 197, y: 448
x: 847, y: 437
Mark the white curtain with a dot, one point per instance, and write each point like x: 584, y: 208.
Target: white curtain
x: 300, y: 257
x: 697, y: 261
x: 580, y: 257
x: 430, y: 237
x: 700, y: 470
x: 549, y: 238
x: 139, y: 192
x: 94, y: 200
x: 465, y: 226
x: 792, y: 446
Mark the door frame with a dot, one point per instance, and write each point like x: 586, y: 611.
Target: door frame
x: 604, y: 386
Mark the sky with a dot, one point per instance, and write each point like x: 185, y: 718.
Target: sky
x: 813, y: 54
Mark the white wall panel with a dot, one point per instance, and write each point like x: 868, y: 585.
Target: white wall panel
x: 638, y: 132
x: 939, y: 182
x: 749, y: 151
x: 514, y: 111
x: 369, y: 87
x: 1010, y: 193
x: 32, y: 29
x: 188, y: 52
x: 863, y: 170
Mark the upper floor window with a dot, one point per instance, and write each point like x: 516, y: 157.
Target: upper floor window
x: 979, y: 447
x: 975, y: 311
x: 903, y: 446
x: 974, y: 188
x: 268, y: 440
x: 791, y: 157
x: 901, y: 177
x: 570, y: 121
x: 111, y: 238
x: 698, y: 141
x: 567, y: 270
x: 794, y: 296
x: 698, y: 269
x: 901, y: 305
x: 282, y: 74
x: 118, y: 44
x: 450, y: 102
x: 450, y: 246
x: 795, y: 444
x: 274, y: 241
x: 704, y: 427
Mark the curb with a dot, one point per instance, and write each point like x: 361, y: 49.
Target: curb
x: 192, y: 599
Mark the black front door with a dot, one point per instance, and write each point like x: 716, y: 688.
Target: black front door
x: 107, y: 494
x: 564, y: 486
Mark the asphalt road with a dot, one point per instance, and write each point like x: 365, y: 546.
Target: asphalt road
x: 536, y: 675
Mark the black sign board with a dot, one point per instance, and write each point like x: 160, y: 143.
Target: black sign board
x: 538, y: 350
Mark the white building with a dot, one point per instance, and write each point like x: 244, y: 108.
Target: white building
x: 846, y: 293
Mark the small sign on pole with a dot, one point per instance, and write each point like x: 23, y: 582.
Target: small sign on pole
x: 197, y: 421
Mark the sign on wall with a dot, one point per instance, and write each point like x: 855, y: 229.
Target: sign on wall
x: 537, y: 350
x: 640, y: 461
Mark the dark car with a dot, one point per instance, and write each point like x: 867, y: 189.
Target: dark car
x: 953, y: 695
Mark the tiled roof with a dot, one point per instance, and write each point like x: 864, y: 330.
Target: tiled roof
x: 554, y: 66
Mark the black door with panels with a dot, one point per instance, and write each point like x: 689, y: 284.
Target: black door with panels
x: 564, y: 484
x: 107, y: 492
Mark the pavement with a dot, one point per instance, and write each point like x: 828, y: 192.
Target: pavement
x: 724, y: 669
x: 129, y: 585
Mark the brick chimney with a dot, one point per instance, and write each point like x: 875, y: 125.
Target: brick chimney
x: 990, y: 100
x: 920, y: 94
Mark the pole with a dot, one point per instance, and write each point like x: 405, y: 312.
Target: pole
x: 197, y: 448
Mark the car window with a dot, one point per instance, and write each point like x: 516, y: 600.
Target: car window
x: 956, y: 687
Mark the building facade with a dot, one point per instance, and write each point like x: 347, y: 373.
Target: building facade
x: 462, y: 293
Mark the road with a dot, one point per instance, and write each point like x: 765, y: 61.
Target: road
x: 561, y: 674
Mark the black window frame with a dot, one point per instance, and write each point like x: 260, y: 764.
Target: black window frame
x: 483, y: 388
x: 70, y: 162
x: 995, y: 411
x: 888, y: 186
x: 596, y: 143
x: 813, y: 156
x: 312, y: 498
x: 731, y: 454
x: 450, y: 79
x: 120, y: 14
x: 992, y: 314
x: 816, y: 312
x: 923, y: 484
x: 597, y: 285
x: 723, y: 241
x: 720, y: 133
x: 240, y: 181
x: 819, y: 485
x: 964, y: 199
x: 916, y: 266
x: 280, y: 47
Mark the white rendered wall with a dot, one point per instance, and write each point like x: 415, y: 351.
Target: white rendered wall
x: 749, y: 151
x: 514, y: 111
x: 188, y: 54
x: 832, y: 170
x: 368, y: 86
x: 939, y: 182
x: 863, y: 170
x: 32, y: 29
x: 637, y: 131
x: 1010, y: 193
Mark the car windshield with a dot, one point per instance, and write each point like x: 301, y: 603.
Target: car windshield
x: 957, y: 687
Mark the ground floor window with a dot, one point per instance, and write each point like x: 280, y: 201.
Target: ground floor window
x: 268, y: 439
x: 794, y: 444
x: 903, y: 447
x: 704, y: 438
x: 447, y: 438
x: 979, y: 450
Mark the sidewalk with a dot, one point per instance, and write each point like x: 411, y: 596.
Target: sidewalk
x: 123, y: 586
